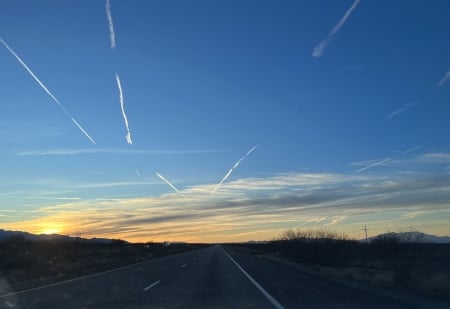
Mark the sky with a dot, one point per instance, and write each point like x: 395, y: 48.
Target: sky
x: 217, y: 121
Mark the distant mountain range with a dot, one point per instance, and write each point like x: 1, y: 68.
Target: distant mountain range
x: 403, y: 237
x: 414, y: 236
x: 5, y: 234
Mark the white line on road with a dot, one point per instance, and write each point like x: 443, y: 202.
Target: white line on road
x: 83, y: 277
x: 260, y: 288
x: 151, y: 285
x: 74, y: 279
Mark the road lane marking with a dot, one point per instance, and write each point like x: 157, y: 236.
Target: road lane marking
x: 91, y: 275
x: 74, y: 279
x: 183, y: 266
x: 260, y: 288
x: 151, y: 285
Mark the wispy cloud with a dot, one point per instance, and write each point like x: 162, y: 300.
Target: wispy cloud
x: 56, y: 198
x: 336, y: 220
x: 320, y: 48
x: 412, y: 215
x: 112, y: 35
x: 64, y: 152
x: 233, y: 168
x: 112, y: 184
x: 28, y: 131
x: 138, y: 173
x: 444, y: 79
x: 171, y: 185
x: 119, y: 86
x: 316, y: 219
x: 287, y: 201
x: 434, y: 158
x: 247, y: 208
x: 401, y: 110
x: 46, y: 89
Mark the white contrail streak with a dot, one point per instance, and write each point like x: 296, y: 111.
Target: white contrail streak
x: 171, y: 185
x: 387, y: 159
x: 119, y: 86
x: 344, y: 18
x: 374, y: 164
x: 401, y: 110
x: 320, y: 48
x: 233, y: 168
x: 112, y: 35
x: 412, y: 149
x: 46, y: 90
x: 444, y: 79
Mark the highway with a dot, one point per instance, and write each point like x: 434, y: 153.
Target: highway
x: 213, y: 277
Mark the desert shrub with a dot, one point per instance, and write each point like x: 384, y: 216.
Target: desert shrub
x: 387, y: 239
x: 319, y: 246
x: 312, y: 235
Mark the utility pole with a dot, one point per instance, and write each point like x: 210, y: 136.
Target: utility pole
x: 410, y: 234
x: 365, y: 229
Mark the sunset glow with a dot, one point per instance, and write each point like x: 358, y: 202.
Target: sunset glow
x: 247, y: 118
x: 51, y: 228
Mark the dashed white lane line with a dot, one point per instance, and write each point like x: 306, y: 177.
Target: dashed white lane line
x: 260, y: 288
x: 74, y: 279
x: 151, y: 285
x: 183, y: 266
x: 78, y: 278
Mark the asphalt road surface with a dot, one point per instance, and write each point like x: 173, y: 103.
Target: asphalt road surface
x: 213, y: 277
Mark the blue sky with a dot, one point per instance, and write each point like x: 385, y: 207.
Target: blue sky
x: 348, y: 102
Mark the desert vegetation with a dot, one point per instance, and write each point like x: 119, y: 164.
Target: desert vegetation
x: 28, y: 263
x: 390, y: 260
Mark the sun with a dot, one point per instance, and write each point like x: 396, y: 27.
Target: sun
x: 49, y: 229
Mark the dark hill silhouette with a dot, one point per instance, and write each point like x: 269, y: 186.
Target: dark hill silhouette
x: 413, y: 236
x: 5, y: 234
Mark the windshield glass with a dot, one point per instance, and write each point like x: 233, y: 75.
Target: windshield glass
x: 162, y: 127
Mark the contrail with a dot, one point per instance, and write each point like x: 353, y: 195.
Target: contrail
x: 374, y: 164
x: 112, y: 35
x: 119, y: 86
x: 387, y: 159
x: 320, y: 48
x: 172, y: 186
x: 412, y: 149
x: 444, y: 79
x: 234, y: 167
x: 401, y: 110
x: 46, y: 90
x: 138, y: 173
